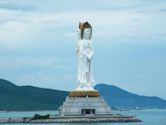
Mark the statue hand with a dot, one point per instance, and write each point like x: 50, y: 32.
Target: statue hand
x: 90, y: 55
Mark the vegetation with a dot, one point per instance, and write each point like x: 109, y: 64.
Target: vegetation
x: 120, y: 98
x: 37, y: 116
x: 20, y: 98
x: 26, y: 98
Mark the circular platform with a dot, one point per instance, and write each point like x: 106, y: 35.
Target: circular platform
x: 84, y: 94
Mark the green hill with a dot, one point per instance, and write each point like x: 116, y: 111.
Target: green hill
x: 26, y: 98
x: 20, y: 98
x: 117, y: 97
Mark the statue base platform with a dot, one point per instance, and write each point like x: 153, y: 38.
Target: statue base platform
x: 91, y: 93
x: 77, y: 110
x: 84, y: 105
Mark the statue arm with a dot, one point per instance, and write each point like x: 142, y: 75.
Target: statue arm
x: 90, y: 55
x: 78, y: 49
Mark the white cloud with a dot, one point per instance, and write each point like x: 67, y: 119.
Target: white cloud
x: 19, y: 28
x: 12, y: 34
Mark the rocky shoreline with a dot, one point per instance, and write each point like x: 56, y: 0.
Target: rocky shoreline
x: 72, y: 119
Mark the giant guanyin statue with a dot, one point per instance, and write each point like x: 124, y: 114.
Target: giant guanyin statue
x: 85, y: 54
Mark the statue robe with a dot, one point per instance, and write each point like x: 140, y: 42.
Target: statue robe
x: 85, y: 53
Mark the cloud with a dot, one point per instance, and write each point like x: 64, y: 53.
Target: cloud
x: 16, y: 7
x: 116, y: 22
x: 12, y: 34
x: 48, y: 20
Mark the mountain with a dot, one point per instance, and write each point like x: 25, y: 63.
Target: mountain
x: 118, y: 97
x: 20, y: 98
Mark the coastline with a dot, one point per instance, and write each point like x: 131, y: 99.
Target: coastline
x: 148, y: 116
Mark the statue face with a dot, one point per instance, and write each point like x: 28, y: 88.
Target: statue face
x: 87, y: 33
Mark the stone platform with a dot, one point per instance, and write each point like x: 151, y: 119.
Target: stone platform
x: 78, y: 110
x: 72, y: 119
x: 78, y: 106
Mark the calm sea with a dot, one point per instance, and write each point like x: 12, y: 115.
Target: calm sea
x: 149, y: 116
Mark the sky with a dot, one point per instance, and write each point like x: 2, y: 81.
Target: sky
x: 38, y: 42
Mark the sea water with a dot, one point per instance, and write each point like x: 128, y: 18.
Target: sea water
x: 148, y: 116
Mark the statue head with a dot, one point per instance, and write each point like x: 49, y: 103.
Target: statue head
x: 85, y: 30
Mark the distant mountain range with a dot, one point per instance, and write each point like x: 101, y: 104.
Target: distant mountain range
x: 21, y: 98
x: 118, y: 97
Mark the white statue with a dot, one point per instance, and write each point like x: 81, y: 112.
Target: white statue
x: 85, y: 54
